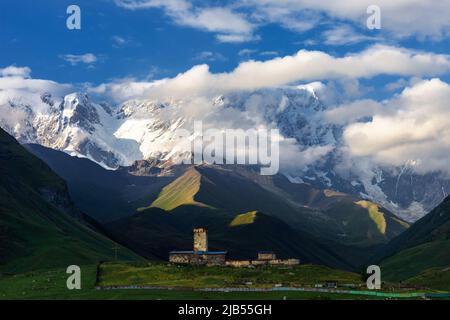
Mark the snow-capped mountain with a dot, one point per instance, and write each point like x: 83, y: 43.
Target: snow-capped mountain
x: 74, y: 124
x: 147, y: 129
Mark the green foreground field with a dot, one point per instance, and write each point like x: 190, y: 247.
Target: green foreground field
x: 181, y: 283
x: 186, y: 276
x: 52, y: 285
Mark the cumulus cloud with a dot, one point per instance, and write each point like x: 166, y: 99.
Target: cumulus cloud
x: 303, y: 66
x: 415, y: 130
x: 17, y: 88
x: 354, y: 111
x: 74, y: 59
x: 15, y: 83
x: 123, y: 89
x: 13, y: 71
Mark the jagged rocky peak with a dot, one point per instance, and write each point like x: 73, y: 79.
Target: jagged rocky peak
x: 107, y: 107
x: 78, y: 108
x: 148, y: 167
x: 140, y: 108
x: 47, y: 98
x: 296, y: 111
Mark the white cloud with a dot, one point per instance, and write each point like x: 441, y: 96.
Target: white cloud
x: 124, y: 89
x: 282, y: 13
x: 353, y: 111
x: 124, y: 41
x: 210, y: 56
x: 74, y: 59
x: 17, y: 88
x: 269, y: 53
x: 422, y: 18
x: 413, y: 130
x: 238, y: 21
x: 344, y: 35
x: 236, y: 38
x: 16, y: 79
x: 303, y: 66
x: 119, y: 41
x: 13, y: 71
x: 246, y: 52
x: 401, y: 83
x: 229, y: 26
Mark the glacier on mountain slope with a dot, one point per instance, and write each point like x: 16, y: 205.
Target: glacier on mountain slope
x: 144, y: 129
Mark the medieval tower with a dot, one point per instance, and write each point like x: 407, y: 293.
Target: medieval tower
x: 200, y: 240
x: 202, y: 256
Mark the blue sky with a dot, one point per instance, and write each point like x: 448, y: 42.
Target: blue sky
x: 153, y: 39
x: 388, y: 88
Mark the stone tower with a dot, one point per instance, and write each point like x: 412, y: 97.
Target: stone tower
x: 200, y: 239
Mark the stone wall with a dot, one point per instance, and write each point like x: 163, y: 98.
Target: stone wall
x: 285, y: 262
x: 211, y: 259
x: 238, y: 263
x: 198, y: 259
x: 266, y: 256
x: 256, y: 263
x: 180, y: 257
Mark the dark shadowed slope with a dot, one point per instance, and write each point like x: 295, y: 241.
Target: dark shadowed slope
x: 323, y: 213
x: 340, y: 226
x: 39, y: 227
x: 105, y: 195
x: 426, y: 244
x: 155, y: 232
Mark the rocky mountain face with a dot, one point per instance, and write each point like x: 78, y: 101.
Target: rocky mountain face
x: 147, y: 129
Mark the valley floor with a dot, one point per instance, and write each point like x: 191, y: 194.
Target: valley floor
x: 52, y: 284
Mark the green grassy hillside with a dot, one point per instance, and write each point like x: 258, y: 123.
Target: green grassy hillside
x: 410, y: 262
x: 39, y: 227
x: 179, y: 192
x: 244, y: 218
x: 327, y: 215
x: 357, y: 222
x: 426, y: 244
x: 434, y: 278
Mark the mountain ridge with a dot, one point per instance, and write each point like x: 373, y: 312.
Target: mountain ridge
x: 146, y: 129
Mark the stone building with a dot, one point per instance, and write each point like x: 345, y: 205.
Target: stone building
x: 266, y: 255
x: 202, y: 256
